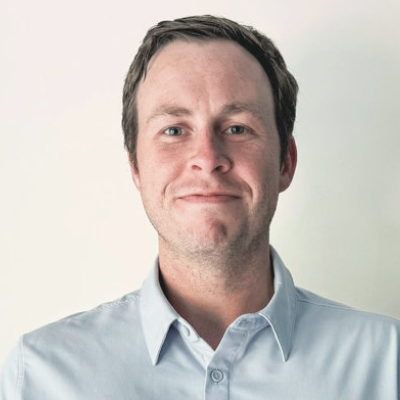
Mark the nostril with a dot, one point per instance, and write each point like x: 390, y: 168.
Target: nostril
x: 209, y: 155
x: 219, y: 168
x: 209, y: 166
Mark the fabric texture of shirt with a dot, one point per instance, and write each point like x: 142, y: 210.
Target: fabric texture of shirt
x: 300, y: 346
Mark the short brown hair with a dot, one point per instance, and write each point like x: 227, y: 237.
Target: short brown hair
x: 208, y: 27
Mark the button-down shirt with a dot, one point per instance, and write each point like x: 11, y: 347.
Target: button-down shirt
x: 300, y: 346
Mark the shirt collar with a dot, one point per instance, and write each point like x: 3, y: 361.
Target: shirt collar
x: 158, y: 314
x: 280, y: 312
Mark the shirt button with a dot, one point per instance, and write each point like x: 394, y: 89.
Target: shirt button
x: 217, y: 375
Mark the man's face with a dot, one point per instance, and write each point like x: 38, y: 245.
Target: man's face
x: 208, y: 151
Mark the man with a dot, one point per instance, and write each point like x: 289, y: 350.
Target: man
x: 208, y: 116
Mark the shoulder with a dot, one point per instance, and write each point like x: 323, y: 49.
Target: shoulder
x: 93, y: 321
x: 72, y: 350
x: 324, y: 311
x: 75, y: 344
x: 83, y: 330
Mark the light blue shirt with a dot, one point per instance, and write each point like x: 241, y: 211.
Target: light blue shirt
x: 299, y: 347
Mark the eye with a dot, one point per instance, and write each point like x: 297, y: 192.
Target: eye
x: 173, y: 131
x: 237, y: 130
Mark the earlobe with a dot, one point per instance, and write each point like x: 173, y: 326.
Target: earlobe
x: 289, y: 166
x: 134, y: 172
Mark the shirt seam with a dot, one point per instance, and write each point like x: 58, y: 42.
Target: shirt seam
x: 239, y: 348
x: 115, y: 303
x: 325, y: 305
x: 101, y: 308
x: 293, y: 324
x: 345, y: 308
x: 21, y: 365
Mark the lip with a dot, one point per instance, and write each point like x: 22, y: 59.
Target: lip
x: 209, y: 198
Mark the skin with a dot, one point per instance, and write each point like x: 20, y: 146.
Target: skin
x: 209, y: 174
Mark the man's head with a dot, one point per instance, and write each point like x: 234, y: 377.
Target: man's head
x: 203, y: 28
x: 208, y: 150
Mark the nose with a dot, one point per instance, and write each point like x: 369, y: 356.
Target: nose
x: 210, y: 155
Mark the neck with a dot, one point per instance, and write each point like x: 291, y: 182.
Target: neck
x: 211, y: 294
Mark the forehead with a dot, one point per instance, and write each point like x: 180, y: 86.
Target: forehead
x: 203, y: 71
x: 220, y: 55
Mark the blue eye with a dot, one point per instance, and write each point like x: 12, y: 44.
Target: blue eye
x: 237, y: 129
x: 173, y: 131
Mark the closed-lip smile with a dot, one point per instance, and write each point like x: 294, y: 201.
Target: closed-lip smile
x: 209, y: 197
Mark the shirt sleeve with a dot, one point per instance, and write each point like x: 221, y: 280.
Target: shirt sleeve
x: 12, y: 374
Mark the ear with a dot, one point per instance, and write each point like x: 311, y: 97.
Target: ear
x: 288, y: 166
x: 134, y: 172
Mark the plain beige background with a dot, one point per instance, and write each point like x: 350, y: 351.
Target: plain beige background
x: 72, y: 230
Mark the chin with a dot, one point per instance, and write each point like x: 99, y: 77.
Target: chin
x: 216, y: 239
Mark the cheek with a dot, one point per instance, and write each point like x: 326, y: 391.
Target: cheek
x: 153, y: 152
x: 262, y: 173
x: 158, y: 171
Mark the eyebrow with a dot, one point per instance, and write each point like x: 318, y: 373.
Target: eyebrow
x: 229, y: 109
x: 173, y: 111
x: 238, y: 108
